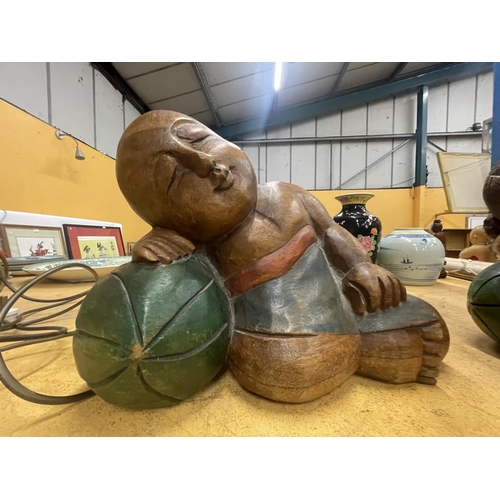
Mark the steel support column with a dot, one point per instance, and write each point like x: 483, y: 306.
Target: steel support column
x: 421, y: 137
x: 495, y: 132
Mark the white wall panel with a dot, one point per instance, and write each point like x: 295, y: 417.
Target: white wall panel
x: 354, y: 122
x: 72, y: 92
x: 25, y: 86
x: 380, y: 121
x: 464, y: 144
x: 405, y: 114
x: 403, y: 172
x: 381, y: 117
x: 253, y: 151
x: 484, y: 104
x: 130, y: 113
x: 66, y: 96
x: 379, y: 175
x: 278, y: 156
x: 303, y: 156
x: 109, y: 116
x: 328, y: 154
x: 434, y: 178
x: 437, y: 116
x: 405, y: 121
x: 461, y: 104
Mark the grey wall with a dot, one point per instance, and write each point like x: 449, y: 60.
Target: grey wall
x: 71, y: 96
x: 453, y: 107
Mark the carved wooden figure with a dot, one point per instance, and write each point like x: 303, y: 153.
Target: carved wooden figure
x: 491, y: 195
x: 437, y: 230
x: 310, y: 308
x: 483, y: 298
x: 479, y: 248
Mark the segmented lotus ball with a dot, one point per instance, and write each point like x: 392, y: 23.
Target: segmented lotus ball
x: 150, y: 336
x: 483, y: 301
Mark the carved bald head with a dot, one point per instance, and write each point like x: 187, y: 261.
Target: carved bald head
x: 178, y: 174
x: 478, y: 236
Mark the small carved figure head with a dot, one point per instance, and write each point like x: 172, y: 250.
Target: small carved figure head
x: 178, y: 174
x: 478, y: 236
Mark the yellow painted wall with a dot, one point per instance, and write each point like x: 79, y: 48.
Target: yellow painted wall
x: 39, y: 174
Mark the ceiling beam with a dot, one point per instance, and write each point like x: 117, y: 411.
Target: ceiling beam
x: 339, y: 79
x: 111, y: 74
x: 205, y: 87
x: 400, y: 67
x: 455, y: 72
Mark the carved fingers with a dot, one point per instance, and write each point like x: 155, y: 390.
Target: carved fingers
x: 369, y: 288
x: 163, y: 246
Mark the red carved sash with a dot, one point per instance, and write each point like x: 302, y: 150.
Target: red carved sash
x: 271, y: 266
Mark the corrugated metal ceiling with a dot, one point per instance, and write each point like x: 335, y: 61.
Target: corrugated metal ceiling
x: 223, y: 93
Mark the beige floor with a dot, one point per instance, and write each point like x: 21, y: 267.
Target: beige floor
x: 465, y: 402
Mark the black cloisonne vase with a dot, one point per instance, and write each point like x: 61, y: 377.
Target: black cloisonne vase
x: 363, y: 225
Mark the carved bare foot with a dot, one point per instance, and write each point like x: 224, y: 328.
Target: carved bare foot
x: 436, y: 341
x: 411, y: 354
x: 163, y: 246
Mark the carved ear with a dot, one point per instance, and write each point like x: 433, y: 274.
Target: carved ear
x: 187, y: 133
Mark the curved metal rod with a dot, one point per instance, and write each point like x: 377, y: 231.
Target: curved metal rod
x: 49, y: 301
x: 5, y: 271
x: 6, y: 377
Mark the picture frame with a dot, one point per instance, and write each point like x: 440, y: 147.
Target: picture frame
x: 473, y: 222
x: 93, y: 242
x: 32, y: 241
x: 463, y: 176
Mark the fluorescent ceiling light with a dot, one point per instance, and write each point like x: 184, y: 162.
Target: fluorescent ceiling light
x: 277, y: 75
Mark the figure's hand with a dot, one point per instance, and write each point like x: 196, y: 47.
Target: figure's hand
x: 369, y: 288
x: 161, y: 245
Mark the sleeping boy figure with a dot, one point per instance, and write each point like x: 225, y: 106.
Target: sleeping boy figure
x: 310, y: 307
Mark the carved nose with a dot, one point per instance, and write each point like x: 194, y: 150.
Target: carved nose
x: 221, y: 171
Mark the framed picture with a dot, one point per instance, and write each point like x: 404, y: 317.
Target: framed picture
x: 473, y: 222
x: 93, y: 242
x: 32, y: 241
x: 463, y: 176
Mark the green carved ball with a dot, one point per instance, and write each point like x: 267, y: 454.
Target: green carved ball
x: 150, y: 336
x: 483, y: 301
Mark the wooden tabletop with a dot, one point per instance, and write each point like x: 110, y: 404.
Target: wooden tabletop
x: 465, y: 402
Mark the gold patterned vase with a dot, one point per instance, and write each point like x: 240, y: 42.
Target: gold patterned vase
x: 362, y: 224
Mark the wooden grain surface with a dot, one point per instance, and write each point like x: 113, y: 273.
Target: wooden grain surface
x: 465, y: 401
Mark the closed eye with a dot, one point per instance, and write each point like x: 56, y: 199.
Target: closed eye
x: 198, y: 140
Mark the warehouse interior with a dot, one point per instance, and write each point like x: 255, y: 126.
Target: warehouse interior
x: 332, y: 129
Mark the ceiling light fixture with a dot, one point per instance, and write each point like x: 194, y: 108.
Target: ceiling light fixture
x: 78, y: 153
x: 277, y: 75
